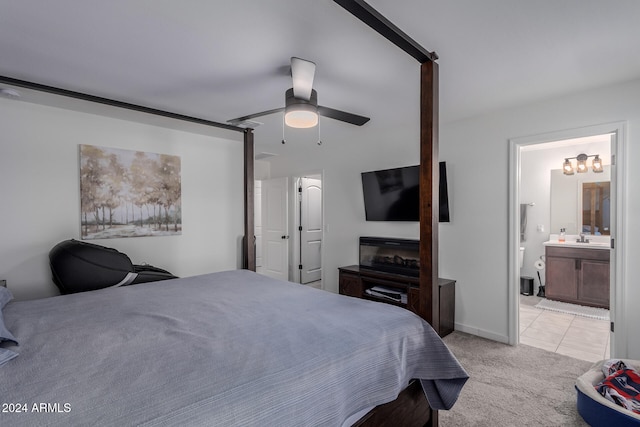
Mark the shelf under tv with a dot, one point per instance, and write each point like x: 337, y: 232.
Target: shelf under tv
x: 355, y: 280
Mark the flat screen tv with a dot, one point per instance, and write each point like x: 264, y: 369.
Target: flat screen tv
x: 394, y: 194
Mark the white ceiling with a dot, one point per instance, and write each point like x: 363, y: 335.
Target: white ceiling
x: 220, y: 59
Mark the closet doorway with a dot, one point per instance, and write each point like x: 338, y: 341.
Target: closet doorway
x: 308, y: 230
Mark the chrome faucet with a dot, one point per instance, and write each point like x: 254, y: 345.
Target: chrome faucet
x: 582, y: 239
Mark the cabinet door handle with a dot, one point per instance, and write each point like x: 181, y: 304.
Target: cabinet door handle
x: 577, y: 264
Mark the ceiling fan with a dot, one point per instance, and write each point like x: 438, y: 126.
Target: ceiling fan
x: 301, y: 108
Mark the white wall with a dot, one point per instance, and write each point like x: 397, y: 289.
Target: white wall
x: 39, y: 188
x: 474, y: 246
x: 262, y: 170
x: 341, y: 162
x: 481, y: 302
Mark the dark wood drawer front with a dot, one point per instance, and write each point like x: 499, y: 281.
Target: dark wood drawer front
x: 583, y: 253
x: 593, y: 275
x: 350, y: 285
x: 562, y: 278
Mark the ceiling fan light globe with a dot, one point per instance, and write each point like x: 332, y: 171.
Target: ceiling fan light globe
x: 301, y: 118
x: 300, y: 113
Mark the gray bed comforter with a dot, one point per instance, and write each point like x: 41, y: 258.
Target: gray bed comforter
x: 224, y: 349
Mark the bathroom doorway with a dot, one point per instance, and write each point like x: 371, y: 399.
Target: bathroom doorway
x: 532, y: 161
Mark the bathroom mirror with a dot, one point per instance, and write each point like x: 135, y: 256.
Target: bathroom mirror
x: 596, y: 208
x: 580, y: 203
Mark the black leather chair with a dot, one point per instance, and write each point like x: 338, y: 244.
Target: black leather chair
x: 80, y: 266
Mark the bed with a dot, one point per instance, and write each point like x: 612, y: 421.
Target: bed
x: 232, y: 348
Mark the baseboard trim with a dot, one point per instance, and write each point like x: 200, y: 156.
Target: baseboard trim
x: 482, y: 333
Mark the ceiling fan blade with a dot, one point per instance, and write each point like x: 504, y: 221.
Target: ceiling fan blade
x: 302, y: 73
x: 343, y: 116
x: 253, y: 116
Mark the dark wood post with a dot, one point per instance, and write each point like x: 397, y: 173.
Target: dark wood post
x: 429, y: 179
x: 248, y: 243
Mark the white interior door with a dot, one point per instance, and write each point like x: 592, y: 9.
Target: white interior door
x: 258, y: 224
x: 275, y: 246
x: 310, y: 230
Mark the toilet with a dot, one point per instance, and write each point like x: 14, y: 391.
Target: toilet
x: 526, y: 282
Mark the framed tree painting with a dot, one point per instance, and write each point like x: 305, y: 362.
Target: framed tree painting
x: 126, y: 193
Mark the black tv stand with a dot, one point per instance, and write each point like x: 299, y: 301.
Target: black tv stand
x: 355, y: 280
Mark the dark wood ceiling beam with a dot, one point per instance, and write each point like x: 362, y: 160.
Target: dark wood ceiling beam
x: 114, y: 103
x: 429, y: 305
x: 367, y: 14
x: 248, y: 246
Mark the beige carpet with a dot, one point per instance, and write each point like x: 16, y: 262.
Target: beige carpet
x: 513, y: 386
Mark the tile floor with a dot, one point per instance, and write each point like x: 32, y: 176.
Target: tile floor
x: 571, y: 335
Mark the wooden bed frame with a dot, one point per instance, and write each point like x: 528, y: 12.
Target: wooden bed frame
x: 428, y: 306
x: 411, y: 407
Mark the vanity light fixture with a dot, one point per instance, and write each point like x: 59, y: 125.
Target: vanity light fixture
x: 567, y: 167
x: 597, y: 164
x: 581, y: 165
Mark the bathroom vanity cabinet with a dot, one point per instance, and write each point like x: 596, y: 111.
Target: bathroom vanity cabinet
x: 577, y: 275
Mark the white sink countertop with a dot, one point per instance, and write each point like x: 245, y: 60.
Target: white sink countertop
x: 595, y: 242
